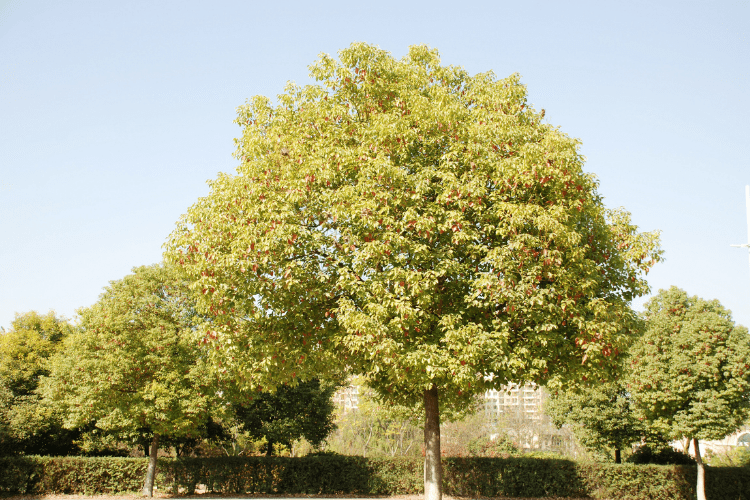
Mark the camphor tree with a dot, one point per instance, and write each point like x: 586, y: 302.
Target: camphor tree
x: 134, y: 366
x: 601, y: 416
x: 411, y: 222
x: 690, y: 373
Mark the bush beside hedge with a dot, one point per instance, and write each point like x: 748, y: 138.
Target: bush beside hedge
x: 512, y: 477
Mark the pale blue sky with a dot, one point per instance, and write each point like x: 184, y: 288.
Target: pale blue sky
x: 114, y: 114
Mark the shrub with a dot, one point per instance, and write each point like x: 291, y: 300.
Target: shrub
x: 660, y: 456
x: 501, y: 446
x: 87, y: 475
x: 513, y: 477
x: 19, y: 474
x: 639, y: 482
x: 316, y: 474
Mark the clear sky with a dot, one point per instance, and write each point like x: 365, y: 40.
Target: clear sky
x: 114, y: 114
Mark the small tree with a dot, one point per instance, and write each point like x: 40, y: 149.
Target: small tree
x: 134, y: 366
x: 601, y: 417
x: 690, y: 373
x: 292, y: 412
x: 410, y: 222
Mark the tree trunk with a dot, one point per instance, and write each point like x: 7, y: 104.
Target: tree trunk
x: 433, y: 468
x: 618, y: 458
x: 700, y: 488
x: 148, y: 484
x: 269, y: 448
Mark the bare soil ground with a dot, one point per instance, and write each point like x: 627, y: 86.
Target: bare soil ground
x: 208, y: 496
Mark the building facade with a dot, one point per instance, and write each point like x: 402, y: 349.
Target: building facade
x: 528, y: 399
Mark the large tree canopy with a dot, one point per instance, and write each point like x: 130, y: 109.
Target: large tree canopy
x: 690, y: 373
x: 415, y: 223
x: 134, y: 366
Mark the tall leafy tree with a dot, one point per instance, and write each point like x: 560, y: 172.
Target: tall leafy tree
x: 601, y: 417
x: 27, y: 424
x: 289, y: 413
x: 690, y: 373
x: 409, y: 221
x: 134, y: 366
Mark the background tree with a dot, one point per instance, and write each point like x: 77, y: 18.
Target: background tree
x: 738, y: 456
x: 211, y: 432
x: 289, y: 413
x: 409, y: 221
x: 376, y: 427
x: 461, y: 431
x: 690, y: 372
x: 134, y: 366
x: 601, y: 417
x: 27, y: 424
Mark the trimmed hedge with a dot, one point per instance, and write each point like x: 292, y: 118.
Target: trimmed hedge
x: 512, y: 477
x: 88, y: 475
x: 307, y: 475
x: 475, y: 476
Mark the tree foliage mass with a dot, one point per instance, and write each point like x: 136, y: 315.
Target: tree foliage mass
x: 690, y: 371
x: 288, y: 414
x: 28, y: 424
x: 414, y: 223
x: 600, y: 416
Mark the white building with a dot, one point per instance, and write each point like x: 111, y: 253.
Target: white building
x: 528, y: 398
x: 347, y: 398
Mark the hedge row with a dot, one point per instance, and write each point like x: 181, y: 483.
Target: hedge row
x: 512, y: 477
x: 86, y: 475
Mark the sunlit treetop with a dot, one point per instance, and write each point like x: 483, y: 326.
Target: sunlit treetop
x: 413, y: 222
x: 26, y: 347
x: 133, y: 364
